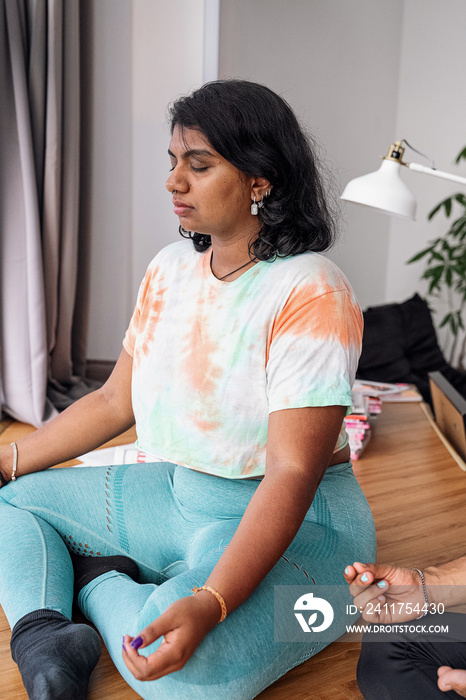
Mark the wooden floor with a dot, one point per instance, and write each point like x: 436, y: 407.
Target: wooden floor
x: 417, y: 493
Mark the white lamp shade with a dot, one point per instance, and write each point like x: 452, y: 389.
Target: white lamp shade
x: 384, y: 190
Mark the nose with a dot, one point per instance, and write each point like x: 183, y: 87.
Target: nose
x: 176, y: 181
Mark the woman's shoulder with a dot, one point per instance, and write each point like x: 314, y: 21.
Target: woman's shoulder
x: 172, y: 256
x: 311, y: 269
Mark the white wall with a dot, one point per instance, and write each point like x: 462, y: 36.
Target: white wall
x: 107, y: 162
x: 167, y: 63
x: 143, y: 54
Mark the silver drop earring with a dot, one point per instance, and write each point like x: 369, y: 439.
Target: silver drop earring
x: 254, y: 207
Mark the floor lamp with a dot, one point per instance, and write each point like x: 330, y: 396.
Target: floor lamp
x: 385, y: 190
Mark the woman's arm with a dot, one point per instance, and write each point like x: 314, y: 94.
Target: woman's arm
x: 85, y: 425
x: 300, y: 444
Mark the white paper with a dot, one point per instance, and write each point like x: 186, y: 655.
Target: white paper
x: 121, y: 454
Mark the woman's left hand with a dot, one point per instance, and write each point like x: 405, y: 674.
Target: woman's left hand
x: 183, y: 625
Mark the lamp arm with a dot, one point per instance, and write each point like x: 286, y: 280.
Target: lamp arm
x: 437, y: 173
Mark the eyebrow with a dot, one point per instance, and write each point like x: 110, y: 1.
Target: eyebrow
x: 193, y: 152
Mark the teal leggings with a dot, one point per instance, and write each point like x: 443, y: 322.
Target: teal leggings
x: 175, y: 523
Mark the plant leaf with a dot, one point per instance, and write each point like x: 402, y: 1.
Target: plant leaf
x: 420, y: 255
x: 434, y: 211
x: 458, y: 226
x: 445, y: 320
x: 434, y: 271
x: 461, y: 155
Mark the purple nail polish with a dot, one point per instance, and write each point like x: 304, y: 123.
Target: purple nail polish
x: 137, y: 642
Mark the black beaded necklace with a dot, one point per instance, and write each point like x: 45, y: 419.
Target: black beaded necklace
x: 233, y: 271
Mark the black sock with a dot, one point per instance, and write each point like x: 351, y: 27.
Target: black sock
x: 55, y: 656
x: 87, y: 568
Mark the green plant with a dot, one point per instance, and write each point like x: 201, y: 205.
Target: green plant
x: 445, y: 268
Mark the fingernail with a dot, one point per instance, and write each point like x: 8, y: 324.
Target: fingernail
x: 364, y: 578
x: 137, y: 642
x: 382, y: 584
x: 347, y: 571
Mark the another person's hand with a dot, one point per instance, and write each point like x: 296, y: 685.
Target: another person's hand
x: 452, y: 679
x: 183, y: 625
x: 384, y: 593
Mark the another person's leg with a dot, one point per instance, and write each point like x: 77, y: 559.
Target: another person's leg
x: 405, y: 668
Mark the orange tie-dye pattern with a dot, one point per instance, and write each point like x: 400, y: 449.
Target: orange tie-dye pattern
x: 200, y: 368
x: 298, y: 318
x: 205, y: 426
x: 149, y: 314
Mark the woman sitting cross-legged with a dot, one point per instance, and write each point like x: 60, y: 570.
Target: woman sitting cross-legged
x: 237, y: 369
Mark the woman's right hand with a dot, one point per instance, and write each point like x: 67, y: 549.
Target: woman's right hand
x: 384, y: 593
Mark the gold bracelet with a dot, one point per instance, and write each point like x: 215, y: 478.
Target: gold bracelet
x: 217, y: 595
x: 15, y: 461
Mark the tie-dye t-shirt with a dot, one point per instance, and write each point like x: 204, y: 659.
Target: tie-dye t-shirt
x: 212, y: 359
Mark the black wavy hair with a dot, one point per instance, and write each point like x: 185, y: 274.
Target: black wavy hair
x: 257, y: 131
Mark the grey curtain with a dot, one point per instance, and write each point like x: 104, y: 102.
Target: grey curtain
x: 43, y: 300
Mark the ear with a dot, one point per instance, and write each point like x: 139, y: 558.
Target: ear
x: 260, y: 186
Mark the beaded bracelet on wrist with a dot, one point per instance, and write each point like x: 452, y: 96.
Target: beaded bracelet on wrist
x: 217, y: 595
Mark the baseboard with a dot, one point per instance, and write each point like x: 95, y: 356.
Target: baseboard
x: 99, y: 369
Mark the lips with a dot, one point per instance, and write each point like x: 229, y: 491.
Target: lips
x: 180, y: 208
